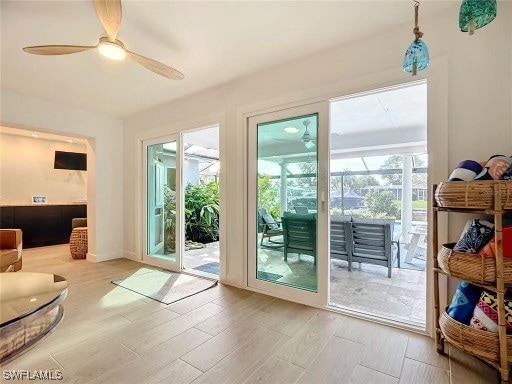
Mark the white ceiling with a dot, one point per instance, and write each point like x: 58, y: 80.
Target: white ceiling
x: 211, y: 42
x: 391, y: 109
x: 385, y: 121
x: 41, y: 135
x: 205, y: 137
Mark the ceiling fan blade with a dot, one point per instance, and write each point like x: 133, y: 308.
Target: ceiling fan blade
x: 56, y: 49
x: 110, y: 13
x: 155, y: 66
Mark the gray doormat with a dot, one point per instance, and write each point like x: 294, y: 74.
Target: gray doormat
x: 213, y: 268
x: 163, y: 286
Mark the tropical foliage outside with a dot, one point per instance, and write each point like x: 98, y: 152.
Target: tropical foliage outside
x: 201, y: 214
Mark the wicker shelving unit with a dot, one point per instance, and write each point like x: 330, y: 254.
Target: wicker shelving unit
x: 495, y: 274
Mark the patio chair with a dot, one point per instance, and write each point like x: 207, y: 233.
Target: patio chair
x: 341, y: 239
x: 372, y: 243
x: 299, y: 232
x: 271, y: 228
x: 301, y: 209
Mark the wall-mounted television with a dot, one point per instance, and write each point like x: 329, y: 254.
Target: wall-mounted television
x: 70, y: 160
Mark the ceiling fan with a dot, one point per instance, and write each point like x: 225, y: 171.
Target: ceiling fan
x: 109, y: 12
x: 306, y: 138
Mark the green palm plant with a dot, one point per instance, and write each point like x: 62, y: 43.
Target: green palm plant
x: 169, y: 220
x: 202, y: 212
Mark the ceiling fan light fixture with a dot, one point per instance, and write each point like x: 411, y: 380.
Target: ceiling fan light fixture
x: 109, y: 13
x: 291, y: 130
x: 112, y: 51
x: 309, y: 144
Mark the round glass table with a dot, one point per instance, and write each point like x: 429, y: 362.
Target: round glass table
x: 30, y: 307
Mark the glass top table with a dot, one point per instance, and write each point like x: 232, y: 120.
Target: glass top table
x: 30, y: 307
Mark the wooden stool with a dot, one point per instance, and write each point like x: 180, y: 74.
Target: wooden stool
x: 78, y: 243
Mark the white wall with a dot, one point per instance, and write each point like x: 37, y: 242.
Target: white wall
x: 104, y: 161
x: 471, y: 101
x: 26, y: 170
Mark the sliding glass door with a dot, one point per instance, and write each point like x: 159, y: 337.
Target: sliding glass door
x: 287, y: 207
x: 162, y: 203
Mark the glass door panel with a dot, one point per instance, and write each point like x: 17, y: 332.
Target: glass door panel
x: 287, y: 202
x: 287, y: 233
x: 162, y: 191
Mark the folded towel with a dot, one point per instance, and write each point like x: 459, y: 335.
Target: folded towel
x: 495, y: 167
x: 508, y: 173
x: 477, y: 233
x: 464, y: 301
x: 466, y: 170
x: 490, y: 248
x: 485, y: 314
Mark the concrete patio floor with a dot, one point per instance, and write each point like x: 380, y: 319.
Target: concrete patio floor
x: 197, y: 257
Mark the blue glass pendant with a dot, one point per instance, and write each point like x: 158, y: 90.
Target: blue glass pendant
x: 475, y: 14
x: 416, y: 57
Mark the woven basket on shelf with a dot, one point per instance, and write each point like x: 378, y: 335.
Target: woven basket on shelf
x: 473, y: 194
x: 472, y: 267
x: 78, y: 243
x: 484, y: 344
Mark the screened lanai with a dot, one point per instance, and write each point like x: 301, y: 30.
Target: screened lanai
x: 354, y: 178
x: 377, y: 175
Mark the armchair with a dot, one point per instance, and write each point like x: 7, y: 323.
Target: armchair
x: 271, y: 228
x: 301, y: 209
x: 299, y: 233
x: 341, y: 239
x: 372, y: 242
x: 10, y: 250
x: 78, y: 222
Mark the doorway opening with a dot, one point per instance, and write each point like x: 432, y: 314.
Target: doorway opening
x: 201, y: 183
x: 378, y: 203
x: 53, y: 193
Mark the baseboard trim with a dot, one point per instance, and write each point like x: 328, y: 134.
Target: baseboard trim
x: 104, y: 257
x: 131, y: 256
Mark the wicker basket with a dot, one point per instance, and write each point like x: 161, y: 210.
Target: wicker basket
x: 473, y: 194
x: 472, y: 267
x: 484, y: 344
x: 78, y: 243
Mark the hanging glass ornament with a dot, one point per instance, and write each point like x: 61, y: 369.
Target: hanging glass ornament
x: 475, y: 14
x: 416, y: 57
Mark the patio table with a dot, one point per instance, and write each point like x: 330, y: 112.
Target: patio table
x: 416, y: 237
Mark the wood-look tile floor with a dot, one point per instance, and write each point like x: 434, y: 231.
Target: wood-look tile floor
x: 366, y: 288
x: 222, y: 335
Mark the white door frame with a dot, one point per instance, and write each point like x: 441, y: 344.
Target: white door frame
x: 319, y: 298
x: 156, y: 260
